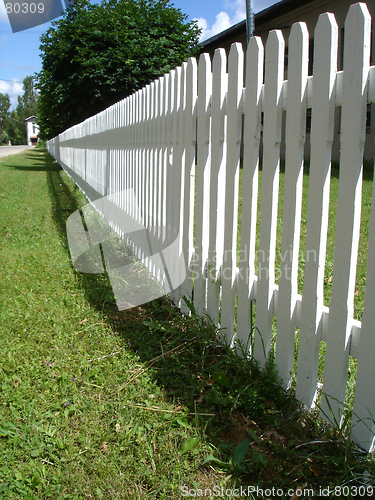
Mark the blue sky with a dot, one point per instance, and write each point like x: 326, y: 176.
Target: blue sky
x: 19, y: 52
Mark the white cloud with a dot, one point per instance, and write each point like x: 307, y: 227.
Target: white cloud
x: 222, y: 23
x: 12, y: 88
x: 235, y: 12
x: 237, y: 8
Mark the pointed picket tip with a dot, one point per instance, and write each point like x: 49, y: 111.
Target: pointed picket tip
x: 356, y: 12
x: 235, y: 69
x: 204, y: 84
x: 299, y: 30
x: 191, y: 63
x: 275, y: 39
x: 204, y: 78
x: 275, y: 47
x: 178, y: 89
x: 298, y: 54
x: 172, y: 76
x: 191, y: 80
x: 358, y: 40
x: 191, y: 97
x: 326, y: 36
x: 178, y: 71
x: 255, y: 44
x: 219, y: 74
x: 254, y: 64
x: 220, y: 54
x: 219, y: 62
x: 236, y: 48
x: 204, y: 62
x: 325, y: 68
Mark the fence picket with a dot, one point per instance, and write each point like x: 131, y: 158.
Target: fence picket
x: 148, y: 154
x: 295, y: 142
x: 160, y: 141
x: 159, y: 151
x: 162, y: 103
x: 363, y: 425
x: 145, y: 153
x: 217, y: 182
x: 252, y: 126
x: 353, y: 127
x: 154, y: 189
x: 127, y: 150
x: 234, y: 120
x: 131, y: 147
x: 176, y: 165
x: 175, y: 162
x: 180, y: 182
x: 270, y: 193
x: 170, y: 136
x: 189, y: 178
x: 138, y: 162
x: 202, y: 182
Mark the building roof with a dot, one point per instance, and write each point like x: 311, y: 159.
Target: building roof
x: 33, y: 117
x: 260, y: 18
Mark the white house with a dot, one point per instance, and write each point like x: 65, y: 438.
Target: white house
x: 32, y: 131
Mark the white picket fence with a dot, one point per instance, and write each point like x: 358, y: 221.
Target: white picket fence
x: 176, y: 143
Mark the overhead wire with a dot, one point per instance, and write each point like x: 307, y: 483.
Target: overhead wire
x: 11, y: 81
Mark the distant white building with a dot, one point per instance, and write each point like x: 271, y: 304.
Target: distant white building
x: 32, y: 131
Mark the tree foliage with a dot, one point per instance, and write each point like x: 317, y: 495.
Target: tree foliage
x: 4, y: 115
x: 28, y: 102
x: 13, y: 127
x: 96, y: 55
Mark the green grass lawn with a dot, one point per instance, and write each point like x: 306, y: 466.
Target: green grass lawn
x: 95, y: 403
x: 70, y: 427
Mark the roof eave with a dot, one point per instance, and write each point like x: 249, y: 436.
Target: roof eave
x: 262, y: 17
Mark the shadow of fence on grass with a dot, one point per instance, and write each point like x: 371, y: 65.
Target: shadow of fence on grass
x: 66, y: 199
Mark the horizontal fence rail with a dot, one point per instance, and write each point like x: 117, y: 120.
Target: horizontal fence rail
x: 177, y: 144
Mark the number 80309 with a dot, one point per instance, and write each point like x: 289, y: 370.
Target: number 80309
x: 24, y: 8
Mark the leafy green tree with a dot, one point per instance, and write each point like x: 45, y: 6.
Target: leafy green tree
x: 12, y: 124
x: 28, y: 102
x: 16, y: 129
x: 4, y: 114
x: 96, y: 55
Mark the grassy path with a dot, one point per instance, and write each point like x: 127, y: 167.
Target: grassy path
x: 99, y: 404
x: 65, y: 432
